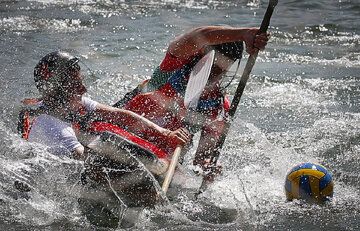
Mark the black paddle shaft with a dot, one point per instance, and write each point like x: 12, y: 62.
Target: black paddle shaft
x: 240, y: 89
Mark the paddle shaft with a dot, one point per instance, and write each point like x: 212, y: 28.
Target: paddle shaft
x: 240, y: 89
x: 172, y: 166
x: 175, y: 158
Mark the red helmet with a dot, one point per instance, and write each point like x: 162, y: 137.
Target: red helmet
x: 53, y: 70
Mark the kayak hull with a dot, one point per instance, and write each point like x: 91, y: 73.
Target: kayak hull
x: 122, y: 167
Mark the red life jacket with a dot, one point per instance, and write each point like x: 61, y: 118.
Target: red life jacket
x: 30, y: 111
x: 165, y: 107
x: 160, y: 99
x: 27, y: 117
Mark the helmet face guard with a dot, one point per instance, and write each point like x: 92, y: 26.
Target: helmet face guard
x: 53, y: 72
x: 232, y: 50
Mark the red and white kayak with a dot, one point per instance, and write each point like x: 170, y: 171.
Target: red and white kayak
x: 126, y: 164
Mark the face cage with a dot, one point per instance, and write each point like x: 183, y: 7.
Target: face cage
x: 224, y: 85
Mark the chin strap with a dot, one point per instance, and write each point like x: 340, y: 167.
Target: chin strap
x: 223, y: 89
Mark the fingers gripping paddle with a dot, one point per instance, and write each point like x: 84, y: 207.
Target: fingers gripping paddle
x: 239, y: 91
x: 197, y: 81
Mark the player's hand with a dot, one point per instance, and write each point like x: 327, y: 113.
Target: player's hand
x: 180, y: 136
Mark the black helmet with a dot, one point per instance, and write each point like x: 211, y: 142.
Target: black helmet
x: 232, y: 50
x: 53, y: 70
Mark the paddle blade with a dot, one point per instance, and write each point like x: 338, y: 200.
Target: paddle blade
x: 198, y: 79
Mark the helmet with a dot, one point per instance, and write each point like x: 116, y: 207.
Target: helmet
x: 232, y: 50
x: 53, y: 70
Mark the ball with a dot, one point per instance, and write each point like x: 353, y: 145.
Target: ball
x: 309, y: 181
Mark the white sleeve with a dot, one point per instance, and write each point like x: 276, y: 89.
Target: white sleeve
x: 89, y: 104
x: 53, y: 133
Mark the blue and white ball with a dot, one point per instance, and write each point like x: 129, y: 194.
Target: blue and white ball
x: 309, y: 181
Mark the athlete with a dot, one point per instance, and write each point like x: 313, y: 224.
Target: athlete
x: 160, y: 99
x: 63, y: 110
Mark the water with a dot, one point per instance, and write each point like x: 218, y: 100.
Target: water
x: 301, y: 104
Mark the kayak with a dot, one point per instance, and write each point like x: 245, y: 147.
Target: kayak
x: 125, y: 165
x: 120, y: 177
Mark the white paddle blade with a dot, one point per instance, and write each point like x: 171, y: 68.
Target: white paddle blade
x: 198, y: 79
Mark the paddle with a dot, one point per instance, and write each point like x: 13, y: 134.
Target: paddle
x: 239, y: 91
x: 197, y: 81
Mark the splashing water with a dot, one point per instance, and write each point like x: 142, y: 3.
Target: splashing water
x: 300, y: 105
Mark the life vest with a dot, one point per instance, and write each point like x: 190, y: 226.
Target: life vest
x: 161, y: 99
x: 174, y: 81
x: 178, y: 80
x: 27, y: 117
x: 31, y: 110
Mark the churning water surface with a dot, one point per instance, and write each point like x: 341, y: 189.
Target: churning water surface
x: 301, y: 104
